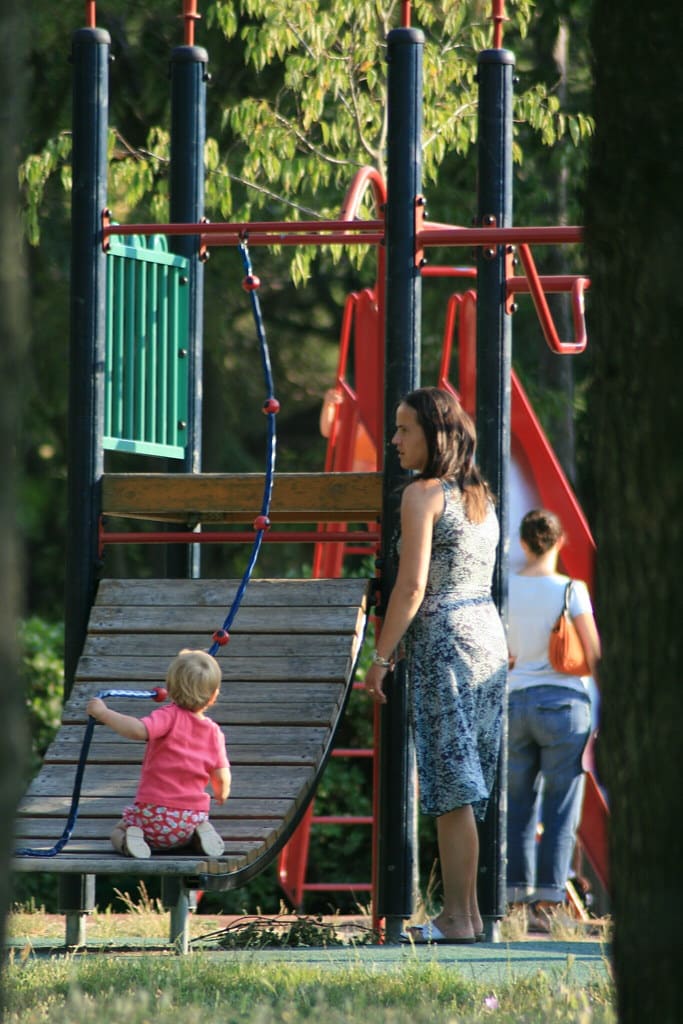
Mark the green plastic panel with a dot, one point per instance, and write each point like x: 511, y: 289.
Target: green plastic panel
x: 146, y: 361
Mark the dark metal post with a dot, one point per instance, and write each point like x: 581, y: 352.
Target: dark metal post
x: 90, y: 55
x: 494, y: 360
x: 398, y: 823
x: 188, y: 134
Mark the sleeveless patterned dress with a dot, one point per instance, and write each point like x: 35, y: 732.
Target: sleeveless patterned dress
x: 457, y: 665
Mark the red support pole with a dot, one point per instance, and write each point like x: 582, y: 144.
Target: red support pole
x: 498, y: 17
x: 189, y: 16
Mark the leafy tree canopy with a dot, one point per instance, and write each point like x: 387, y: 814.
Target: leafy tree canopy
x: 316, y: 108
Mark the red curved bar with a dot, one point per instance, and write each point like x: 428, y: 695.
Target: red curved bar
x: 543, y: 310
x: 361, y: 179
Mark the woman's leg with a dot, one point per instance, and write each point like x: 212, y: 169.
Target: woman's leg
x: 458, y: 841
x: 566, y: 723
x: 523, y: 765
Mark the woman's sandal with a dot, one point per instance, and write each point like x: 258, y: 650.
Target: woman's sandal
x: 431, y: 935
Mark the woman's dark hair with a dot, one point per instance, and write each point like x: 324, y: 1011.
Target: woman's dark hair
x: 540, y: 529
x: 451, y: 443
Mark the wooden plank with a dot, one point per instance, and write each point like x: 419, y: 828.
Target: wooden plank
x: 101, y: 846
x: 68, y: 753
x: 279, y: 781
x: 232, y: 692
x: 114, y: 864
x: 221, y: 497
x: 254, y: 714
x: 49, y: 829
x: 41, y: 805
x: 290, y: 737
x: 141, y: 669
x: 219, y: 593
x: 194, y: 619
x: 281, y: 645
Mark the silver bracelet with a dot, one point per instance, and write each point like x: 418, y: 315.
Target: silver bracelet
x: 377, y: 659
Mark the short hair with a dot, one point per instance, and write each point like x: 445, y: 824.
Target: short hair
x: 451, y: 444
x: 540, y: 530
x: 192, y: 679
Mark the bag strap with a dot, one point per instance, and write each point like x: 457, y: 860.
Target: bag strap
x: 567, y: 597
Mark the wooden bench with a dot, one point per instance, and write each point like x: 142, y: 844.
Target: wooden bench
x: 287, y: 674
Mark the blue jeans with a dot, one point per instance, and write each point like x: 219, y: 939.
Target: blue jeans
x: 548, y: 727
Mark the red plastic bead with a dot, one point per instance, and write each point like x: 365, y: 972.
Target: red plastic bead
x: 251, y: 282
x: 262, y: 523
x: 271, y: 405
x: 161, y: 694
x: 221, y: 637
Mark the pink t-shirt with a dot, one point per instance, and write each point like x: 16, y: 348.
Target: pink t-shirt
x: 183, y: 749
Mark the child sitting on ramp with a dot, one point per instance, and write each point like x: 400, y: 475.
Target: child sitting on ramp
x: 185, y: 752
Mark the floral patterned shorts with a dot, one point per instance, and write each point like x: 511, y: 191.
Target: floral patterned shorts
x: 163, y: 827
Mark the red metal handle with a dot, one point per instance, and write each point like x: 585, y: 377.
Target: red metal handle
x: 543, y: 310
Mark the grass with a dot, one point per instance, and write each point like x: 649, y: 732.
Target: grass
x: 208, y: 986
x: 198, y: 989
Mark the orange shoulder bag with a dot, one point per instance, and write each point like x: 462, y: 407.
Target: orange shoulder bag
x: 565, y: 650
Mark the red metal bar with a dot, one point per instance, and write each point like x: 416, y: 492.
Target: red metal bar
x: 432, y: 235
x: 313, y: 238
x: 90, y: 14
x: 250, y: 229
x: 543, y: 310
x: 338, y: 887
x: 353, y: 752
x: 342, y: 819
x: 405, y: 13
x: 366, y: 176
x: 237, y: 536
x: 189, y: 16
x: 498, y: 17
x: 436, y: 271
x: 550, y: 283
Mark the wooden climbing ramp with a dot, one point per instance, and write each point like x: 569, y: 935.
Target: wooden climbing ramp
x: 287, y: 673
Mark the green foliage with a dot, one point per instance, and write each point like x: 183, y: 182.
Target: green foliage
x: 42, y: 672
x: 320, y: 113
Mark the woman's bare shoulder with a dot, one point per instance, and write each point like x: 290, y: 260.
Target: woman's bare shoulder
x: 422, y: 495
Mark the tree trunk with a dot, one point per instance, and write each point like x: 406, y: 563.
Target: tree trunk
x: 12, y: 333
x: 633, y: 220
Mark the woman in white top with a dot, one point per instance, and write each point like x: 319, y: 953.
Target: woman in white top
x: 549, y: 721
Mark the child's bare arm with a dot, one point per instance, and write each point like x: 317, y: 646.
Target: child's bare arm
x: 125, y: 725
x: 221, y: 779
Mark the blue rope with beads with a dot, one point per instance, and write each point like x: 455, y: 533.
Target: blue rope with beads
x: 157, y: 694
x: 270, y: 407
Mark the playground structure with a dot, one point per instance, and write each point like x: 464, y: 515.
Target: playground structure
x: 280, y: 709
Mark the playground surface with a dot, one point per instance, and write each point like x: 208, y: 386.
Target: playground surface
x: 577, y: 962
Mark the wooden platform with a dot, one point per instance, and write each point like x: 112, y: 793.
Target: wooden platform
x: 287, y: 673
